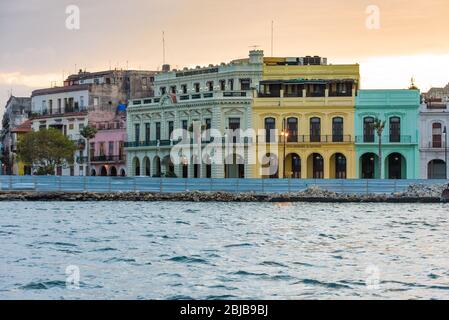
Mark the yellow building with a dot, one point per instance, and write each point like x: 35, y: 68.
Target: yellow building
x: 308, y: 107
x: 17, y: 166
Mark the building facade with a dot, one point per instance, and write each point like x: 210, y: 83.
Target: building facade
x: 17, y: 112
x: 305, y: 111
x: 400, y: 139
x: 217, y: 97
x: 434, y: 123
x: 92, y: 99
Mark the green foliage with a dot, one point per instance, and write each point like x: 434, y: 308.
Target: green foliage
x: 379, y: 126
x: 88, y: 132
x: 46, y: 149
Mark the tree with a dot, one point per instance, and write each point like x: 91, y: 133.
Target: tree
x: 88, y: 133
x: 46, y: 149
x: 379, y: 126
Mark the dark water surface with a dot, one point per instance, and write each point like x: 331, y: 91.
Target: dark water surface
x: 161, y: 250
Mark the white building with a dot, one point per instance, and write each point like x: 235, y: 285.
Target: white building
x: 434, y: 122
x: 215, y: 97
x: 65, y: 109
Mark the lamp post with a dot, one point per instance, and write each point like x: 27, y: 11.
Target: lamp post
x: 445, y: 151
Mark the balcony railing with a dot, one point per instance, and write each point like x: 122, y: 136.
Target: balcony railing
x: 385, y: 139
x: 307, y: 139
x: 112, y: 159
x: 119, y: 158
x: 168, y: 143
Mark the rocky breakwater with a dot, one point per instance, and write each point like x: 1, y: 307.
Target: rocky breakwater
x: 414, y: 193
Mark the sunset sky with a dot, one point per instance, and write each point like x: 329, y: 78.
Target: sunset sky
x: 37, y: 48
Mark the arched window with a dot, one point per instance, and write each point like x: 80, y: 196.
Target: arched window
x: 315, y: 129
x: 337, y: 129
x: 395, y: 129
x: 270, y: 126
x: 437, y: 135
x: 292, y: 129
x: 368, y: 129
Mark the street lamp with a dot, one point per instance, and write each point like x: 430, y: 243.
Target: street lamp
x: 445, y: 151
x: 285, y: 135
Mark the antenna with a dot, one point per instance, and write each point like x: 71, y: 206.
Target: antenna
x: 272, y: 36
x: 254, y: 47
x: 163, y: 47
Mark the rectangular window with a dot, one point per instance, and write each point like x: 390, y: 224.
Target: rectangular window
x: 170, y: 129
x: 71, y: 126
x: 231, y: 84
x: 184, y: 88
x: 92, y: 150
x: 163, y: 90
x: 111, y: 148
x: 197, y: 87
x: 50, y: 106
x: 101, y: 151
x: 44, y: 107
x: 210, y: 86
x: 222, y: 85
x: 185, y: 128
x: 137, y: 132
x: 147, y: 132
x: 96, y: 101
x: 82, y: 102
x: 59, y: 106
x: 81, y: 126
x: 158, y: 131
x: 245, y: 84
x: 208, y: 123
x: 173, y: 89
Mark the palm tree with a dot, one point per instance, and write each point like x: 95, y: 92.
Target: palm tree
x: 88, y: 133
x: 379, y: 126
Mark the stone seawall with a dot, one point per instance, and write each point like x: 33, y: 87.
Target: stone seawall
x: 414, y: 194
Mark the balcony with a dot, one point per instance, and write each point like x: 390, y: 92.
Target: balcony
x: 306, y: 139
x: 115, y: 159
x: 385, y: 139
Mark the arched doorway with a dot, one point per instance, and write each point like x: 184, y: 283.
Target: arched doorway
x: 147, y: 166
x: 123, y: 173
x: 234, y: 167
x: 293, y: 166
x: 396, y: 166
x: 169, y: 166
x: 207, y: 166
x: 338, y: 166
x: 157, y: 166
x: 136, y: 166
x: 369, y: 166
x: 436, y: 169
x: 93, y: 173
x: 103, y: 171
x: 113, y: 172
x: 315, y: 166
x: 270, y: 166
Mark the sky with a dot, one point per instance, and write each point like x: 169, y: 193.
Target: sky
x: 409, y: 38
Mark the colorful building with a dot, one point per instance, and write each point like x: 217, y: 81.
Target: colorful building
x: 400, y: 139
x: 308, y: 106
x: 96, y: 99
x: 433, y: 148
x: 15, y: 123
x: 216, y: 97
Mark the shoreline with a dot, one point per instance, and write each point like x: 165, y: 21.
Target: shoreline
x: 196, y: 196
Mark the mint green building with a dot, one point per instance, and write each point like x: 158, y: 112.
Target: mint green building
x: 400, y: 139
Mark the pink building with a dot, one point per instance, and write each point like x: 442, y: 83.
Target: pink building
x: 107, y: 155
